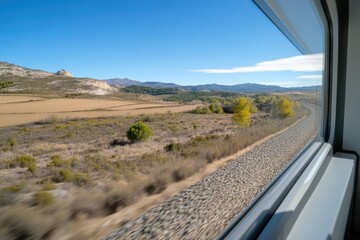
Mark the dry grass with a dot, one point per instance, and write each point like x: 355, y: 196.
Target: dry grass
x: 17, y: 99
x: 91, y: 170
x: 15, y: 110
x: 22, y: 222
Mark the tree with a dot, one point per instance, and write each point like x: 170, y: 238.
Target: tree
x: 212, y: 107
x: 139, y: 132
x: 253, y: 108
x: 284, y: 107
x: 242, y: 112
x: 215, y: 107
x: 265, y: 102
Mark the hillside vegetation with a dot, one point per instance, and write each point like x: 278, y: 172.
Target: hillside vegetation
x: 149, y: 90
x: 29, y: 81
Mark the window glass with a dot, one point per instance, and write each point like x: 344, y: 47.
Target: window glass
x: 151, y: 119
x: 303, y: 23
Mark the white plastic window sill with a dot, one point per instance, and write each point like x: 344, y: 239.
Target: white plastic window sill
x: 318, y: 205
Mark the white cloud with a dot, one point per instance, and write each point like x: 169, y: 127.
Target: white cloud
x: 301, y: 63
x: 317, y: 77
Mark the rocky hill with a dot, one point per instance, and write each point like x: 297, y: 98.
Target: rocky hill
x: 24, y: 80
x: 8, y: 70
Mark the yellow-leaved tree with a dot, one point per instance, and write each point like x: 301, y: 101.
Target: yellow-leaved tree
x: 242, y: 111
x: 284, y: 107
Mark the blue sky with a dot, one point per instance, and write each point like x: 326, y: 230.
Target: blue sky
x: 182, y: 41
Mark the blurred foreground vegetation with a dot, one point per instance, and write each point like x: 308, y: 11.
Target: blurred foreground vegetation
x: 58, y: 173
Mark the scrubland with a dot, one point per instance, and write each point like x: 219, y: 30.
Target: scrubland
x: 58, y: 174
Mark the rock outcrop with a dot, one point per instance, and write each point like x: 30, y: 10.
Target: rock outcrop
x: 63, y: 72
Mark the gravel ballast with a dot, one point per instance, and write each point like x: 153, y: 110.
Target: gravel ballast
x: 203, y: 210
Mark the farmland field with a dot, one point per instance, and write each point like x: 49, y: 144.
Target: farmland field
x: 16, y: 110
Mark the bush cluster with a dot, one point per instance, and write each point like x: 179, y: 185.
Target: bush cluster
x: 284, y: 107
x: 201, y: 110
x: 43, y: 198
x: 26, y: 161
x: 68, y: 175
x: 139, y: 132
x: 149, y: 90
x: 5, y: 84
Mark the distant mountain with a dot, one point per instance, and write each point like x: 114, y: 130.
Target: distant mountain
x: 25, y: 80
x: 239, y: 88
x: 17, y: 79
x: 308, y: 88
x: 161, y: 85
x: 123, y: 82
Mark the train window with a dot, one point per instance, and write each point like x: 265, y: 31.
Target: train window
x: 305, y: 25
x: 170, y: 119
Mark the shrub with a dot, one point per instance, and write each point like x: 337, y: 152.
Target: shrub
x: 264, y: 102
x: 98, y: 162
x: 198, y: 139
x: 63, y: 175
x: 89, y: 203
x: 56, y: 161
x: 160, y: 179
x: 201, y: 110
x: 47, y: 186
x: 228, y: 108
x: 5, y: 84
x: 122, y: 196
x: 69, y: 134
x: 32, y: 167
x: 219, y: 110
x: 212, y: 107
x: 72, y: 161
x: 184, y: 169
x: 12, y: 142
x: 147, y: 119
x: 53, y: 119
x: 118, y: 142
x: 284, y: 107
x: 25, y: 160
x: 66, y: 174
x: 172, y: 147
x: 81, y: 179
x: 20, y: 222
x: 139, y: 132
x: 13, y: 188
x: 179, y: 174
x: 43, y: 198
x: 60, y: 126
x: 215, y: 107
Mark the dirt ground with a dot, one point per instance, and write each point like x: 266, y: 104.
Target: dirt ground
x: 15, y: 110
